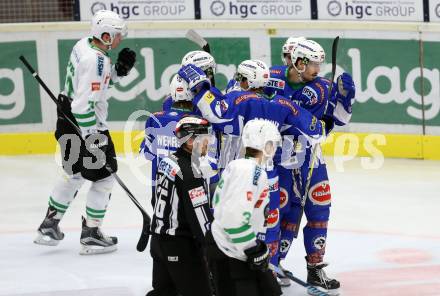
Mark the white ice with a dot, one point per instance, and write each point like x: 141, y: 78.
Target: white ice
x: 384, y: 233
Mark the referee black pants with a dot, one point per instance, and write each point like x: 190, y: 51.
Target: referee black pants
x: 178, y: 267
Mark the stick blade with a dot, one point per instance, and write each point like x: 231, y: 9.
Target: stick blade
x: 196, y: 38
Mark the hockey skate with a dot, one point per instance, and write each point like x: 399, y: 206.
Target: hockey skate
x: 316, y: 277
x: 93, y: 241
x: 49, y: 233
x: 283, y: 281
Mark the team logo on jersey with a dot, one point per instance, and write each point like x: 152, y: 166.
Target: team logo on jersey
x: 320, y: 193
x: 198, y: 196
x: 284, y: 197
x: 274, y: 187
x: 96, y: 86
x: 221, y: 107
x: 319, y: 242
x: 273, y: 218
x: 208, y: 97
x: 276, y: 83
x: 311, y: 95
x: 100, y: 66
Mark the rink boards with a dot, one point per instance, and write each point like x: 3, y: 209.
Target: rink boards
x: 397, y: 111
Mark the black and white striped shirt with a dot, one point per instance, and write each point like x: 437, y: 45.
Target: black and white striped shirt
x: 181, y: 203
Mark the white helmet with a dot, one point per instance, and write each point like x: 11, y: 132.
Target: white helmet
x: 289, y: 45
x: 309, y: 51
x: 179, y: 90
x: 201, y: 59
x: 255, y: 71
x: 106, y: 21
x: 258, y: 132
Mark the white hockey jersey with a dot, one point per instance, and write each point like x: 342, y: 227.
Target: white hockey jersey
x: 88, y: 76
x: 239, y: 207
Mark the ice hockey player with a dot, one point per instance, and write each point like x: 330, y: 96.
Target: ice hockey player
x: 233, y: 110
x: 182, y: 215
x: 160, y: 140
x: 301, y: 83
x: 201, y: 59
x: 238, y: 258
x: 89, y: 74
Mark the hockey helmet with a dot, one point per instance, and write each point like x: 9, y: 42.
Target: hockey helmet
x: 257, y: 133
x: 106, y: 21
x: 308, y: 51
x: 179, y: 90
x: 289, y: 45
x: 256, y: 72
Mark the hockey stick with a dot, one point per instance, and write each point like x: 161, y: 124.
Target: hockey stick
x: 315, y: 149
x: 143, y: 240
x: 200, y: 41
x: 311, y: 290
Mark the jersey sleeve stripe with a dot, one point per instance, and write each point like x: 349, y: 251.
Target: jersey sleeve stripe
x: 84, y: 116
x: 243, y: 239
x: 87, y: 123
x: 238, y: 229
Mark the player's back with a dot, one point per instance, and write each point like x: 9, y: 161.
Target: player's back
x: 160, y: 140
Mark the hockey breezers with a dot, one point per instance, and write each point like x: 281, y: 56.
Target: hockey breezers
x: 145, y: 235
x: 311, y: 290
x: 314, y: 152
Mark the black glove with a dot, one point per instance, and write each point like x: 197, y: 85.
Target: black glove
x: 126, y: 60
x: 258, y: 256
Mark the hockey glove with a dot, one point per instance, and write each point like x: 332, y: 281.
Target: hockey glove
x: 346, y: 91
x: 195, y: 77
x: 258, y: 256
x: 126, y: 60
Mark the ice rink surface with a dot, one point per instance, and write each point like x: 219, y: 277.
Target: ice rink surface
x: 384, y: 232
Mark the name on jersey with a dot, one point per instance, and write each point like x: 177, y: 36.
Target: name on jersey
x: 257, y: 174
x: 167, y: 141
x: 289, y: 105
x: 311, y: 95
x: 275, y: 71
x: 276, y: 83
x: 100, y: 65
x: 321, y: 89
x: 198, y: 196
x: 243, y: 98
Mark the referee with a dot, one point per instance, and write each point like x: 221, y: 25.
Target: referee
x: 181, y: 216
